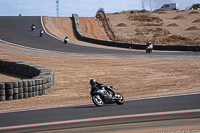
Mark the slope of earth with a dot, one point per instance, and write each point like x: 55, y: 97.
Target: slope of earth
x: 92, y: 28
x: 160, y: 26
x: 63, y: 26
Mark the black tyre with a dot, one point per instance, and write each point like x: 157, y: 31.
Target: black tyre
x: 9, y: 85
x: 2, y: 92
x: 25, y: 95
x: 9, y: 92
x: 2, y: 98
x: 2, y: 86
x: 97, y: 100
x: 15, y: 97
x: 21, y: 95
x: 119, y: 99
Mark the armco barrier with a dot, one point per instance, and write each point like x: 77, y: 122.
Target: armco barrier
x: 83, y: 37
x: 39, y: 81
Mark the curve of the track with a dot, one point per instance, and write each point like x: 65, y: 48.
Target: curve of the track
x: 17, y: 30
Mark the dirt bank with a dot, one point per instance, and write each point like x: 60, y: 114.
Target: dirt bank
x: 63, y: 26
x: 159, y: 26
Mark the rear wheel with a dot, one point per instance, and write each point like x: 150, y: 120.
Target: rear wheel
x: 119, y: 99
x: 97, y: 100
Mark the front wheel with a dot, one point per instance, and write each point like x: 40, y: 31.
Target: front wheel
x: 119, y: 99
x: 97, y: 100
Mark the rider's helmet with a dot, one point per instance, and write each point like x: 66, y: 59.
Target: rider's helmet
x: 92, y: 81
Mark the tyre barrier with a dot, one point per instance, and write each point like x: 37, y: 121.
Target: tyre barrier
x: 39, y: 80
x: 83, y: 37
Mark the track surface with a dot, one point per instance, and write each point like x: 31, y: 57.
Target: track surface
x: 17, y: 30
x: 174, y: 103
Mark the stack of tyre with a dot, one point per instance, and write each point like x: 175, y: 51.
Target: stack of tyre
x: 39, y: 80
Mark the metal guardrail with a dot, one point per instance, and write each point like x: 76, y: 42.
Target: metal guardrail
x: 40, y: 80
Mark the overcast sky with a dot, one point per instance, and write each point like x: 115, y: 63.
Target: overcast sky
x: 84, y: 8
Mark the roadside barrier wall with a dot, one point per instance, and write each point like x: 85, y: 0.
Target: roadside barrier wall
x: 83, y: 37
x: 39, y: 80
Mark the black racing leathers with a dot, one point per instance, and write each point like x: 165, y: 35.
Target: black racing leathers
x: 98, y: 85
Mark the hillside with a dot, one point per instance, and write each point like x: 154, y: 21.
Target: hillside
x: 168, y: 27
x: 161, y: 26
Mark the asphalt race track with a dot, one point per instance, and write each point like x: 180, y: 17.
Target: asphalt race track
x: 17, y: 30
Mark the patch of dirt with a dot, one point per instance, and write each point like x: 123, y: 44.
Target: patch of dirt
x: 5, y: 77
x: 144, y: 18
x: 160, y: 11
x: 140, y: 11
x: 198, y: 38
x: 193, y: 28
x: 121, y: 25
x: 173, y: 24
x: 90, y: 28
x: 173, y: 39
x: 196, y: 21
x: 179, y: 17
x: 103, y: 23
x: 194, y: 12
x: 164, y: 19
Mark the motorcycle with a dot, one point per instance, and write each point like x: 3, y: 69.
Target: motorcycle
x: 41, y: 32
x: 66, y: 40
x: 103, y: 96
x: 32, y: 27
x: 149, y: 48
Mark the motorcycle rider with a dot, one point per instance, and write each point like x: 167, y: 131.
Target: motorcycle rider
x: 66, y: 39
x: 95, y: 85
x: 149, y: 43
x: 41, y: 32
x: 149, y: 46
x: 32, y: 27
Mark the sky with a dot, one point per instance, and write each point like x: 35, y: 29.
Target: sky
x: 84, y: 8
